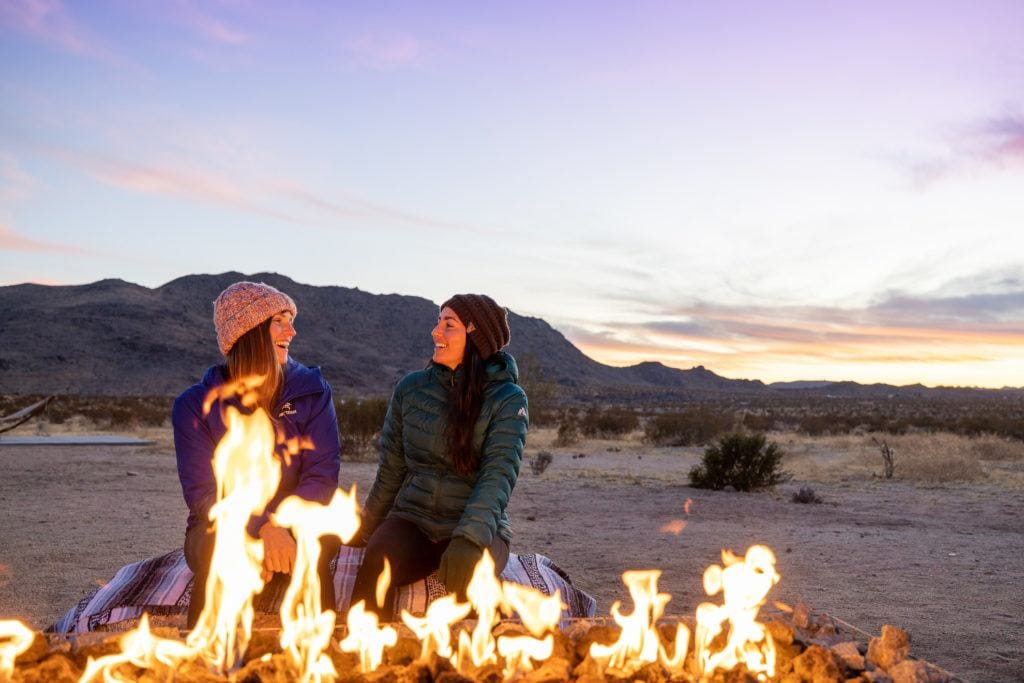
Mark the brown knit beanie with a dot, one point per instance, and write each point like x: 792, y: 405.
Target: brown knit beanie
x: 486, y: 321
x: 243, y: 306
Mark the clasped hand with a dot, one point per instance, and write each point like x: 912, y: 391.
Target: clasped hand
x: 278, y: 550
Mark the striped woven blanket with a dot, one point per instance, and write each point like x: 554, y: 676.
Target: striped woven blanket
x: 161, y: 586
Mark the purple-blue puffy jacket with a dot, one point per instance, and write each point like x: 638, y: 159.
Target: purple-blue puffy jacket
x: 305, y: 409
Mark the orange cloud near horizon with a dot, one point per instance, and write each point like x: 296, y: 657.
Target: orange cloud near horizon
x: 988, y: 354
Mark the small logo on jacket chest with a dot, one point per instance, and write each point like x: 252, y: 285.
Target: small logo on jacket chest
x: 287, y: 409
x: 522, y: 412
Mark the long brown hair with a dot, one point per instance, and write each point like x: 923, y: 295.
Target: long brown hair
x: 464, y: 404
x: 254, y: 354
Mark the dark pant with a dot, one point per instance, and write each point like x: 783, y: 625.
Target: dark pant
x: 412, y: 556
x: 199, y: 553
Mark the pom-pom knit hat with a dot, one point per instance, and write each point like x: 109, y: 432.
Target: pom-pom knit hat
x: 486, y: 322
x: 243, y: 306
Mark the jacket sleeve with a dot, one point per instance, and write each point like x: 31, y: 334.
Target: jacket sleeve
x: 193, y: 449
x: 391, y: 468
x: 500, y: 457
x: 318, y: 475
x: 319, y: 465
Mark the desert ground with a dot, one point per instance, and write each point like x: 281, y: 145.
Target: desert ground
x: 937, y: 550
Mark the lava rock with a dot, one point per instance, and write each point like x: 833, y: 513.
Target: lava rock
x: 605, y: 635
x: 817, y: 665
x: 404, y: 652
x: 914, y: 671
x: 38, y: 649
x: 553, y: 670
x: 780, y: 630
x: 890, y: 649
x: 274, y: 669
x: 849, y: 655
x: 262, y: 643
x: 57, y: 668
x: 801, y: 615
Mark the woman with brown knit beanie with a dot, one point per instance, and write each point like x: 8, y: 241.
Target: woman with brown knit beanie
x: 255, y: 327
x: 451, y: 446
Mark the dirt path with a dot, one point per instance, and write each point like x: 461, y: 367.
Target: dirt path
x: 943, y: 563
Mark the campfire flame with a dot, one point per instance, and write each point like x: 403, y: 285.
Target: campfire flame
x: 638, y: 642
x: 247, y: 477
x: 15, y: 638
x: 744, y: 584
x: 367, y: 637
x: 305, y: 629
x: 434, y: 628
x: 141, y: 649
x: 485, y: 594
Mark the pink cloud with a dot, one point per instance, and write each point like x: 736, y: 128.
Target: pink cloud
x: 15, y: 183
x: 50, y: 21
x: 12, y: 241
x: 208, y: 26
x: 385, y: 51
x: 190, y: 184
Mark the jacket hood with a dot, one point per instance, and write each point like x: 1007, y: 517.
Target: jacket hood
x: 298, y: 379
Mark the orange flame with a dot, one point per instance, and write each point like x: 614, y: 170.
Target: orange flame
x: 744, y: 583
x: 139, y: 648
x: 638, y: 642
x: 434, y: 628
x: 367, y: 637
x: 15, y: 638
x: 247, y: 476
x: 306, y: 629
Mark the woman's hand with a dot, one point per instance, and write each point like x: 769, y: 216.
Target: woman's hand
x: 278, y: 549
x: 457, y: 565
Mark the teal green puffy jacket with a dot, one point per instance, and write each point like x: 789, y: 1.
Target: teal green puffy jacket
x: 416, y: 479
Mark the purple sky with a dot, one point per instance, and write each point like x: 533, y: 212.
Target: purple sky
x: 773, y: 190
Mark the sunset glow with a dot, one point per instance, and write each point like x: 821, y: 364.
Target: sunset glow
x: 776, y: 191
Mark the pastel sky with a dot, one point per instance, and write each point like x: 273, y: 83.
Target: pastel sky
x: 781, y: 191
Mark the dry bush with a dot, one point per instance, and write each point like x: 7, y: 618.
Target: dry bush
x: 933, y: 459
x: 998, y: 449
x: 607, y: 423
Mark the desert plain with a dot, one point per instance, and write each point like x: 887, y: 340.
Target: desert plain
x: 937, y: 550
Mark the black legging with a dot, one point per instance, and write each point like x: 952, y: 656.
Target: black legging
x: 412, y: 556
x: 199, y: 553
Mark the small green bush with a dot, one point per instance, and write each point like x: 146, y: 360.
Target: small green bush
x: 745, y: 462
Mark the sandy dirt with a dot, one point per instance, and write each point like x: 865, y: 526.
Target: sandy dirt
x: 943, y: 562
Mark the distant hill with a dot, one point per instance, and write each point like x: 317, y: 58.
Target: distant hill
x: 116, y: 338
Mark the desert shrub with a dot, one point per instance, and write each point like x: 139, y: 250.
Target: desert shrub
x: 568, y: 431
x: 996, y: 449
x: 938, y: 459
x: 540, y: 462
x: 746, y: 462
x: 359, y: 421
x: 693, y: 426
x: 805, y: 496
x: 607, y: 423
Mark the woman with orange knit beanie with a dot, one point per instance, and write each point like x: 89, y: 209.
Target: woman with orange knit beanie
x: 255, y: 328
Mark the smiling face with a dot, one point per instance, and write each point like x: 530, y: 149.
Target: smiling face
x: 281, y: 333
x: 449, y: 339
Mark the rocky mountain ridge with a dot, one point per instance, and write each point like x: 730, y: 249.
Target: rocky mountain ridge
x: 113, y: 337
